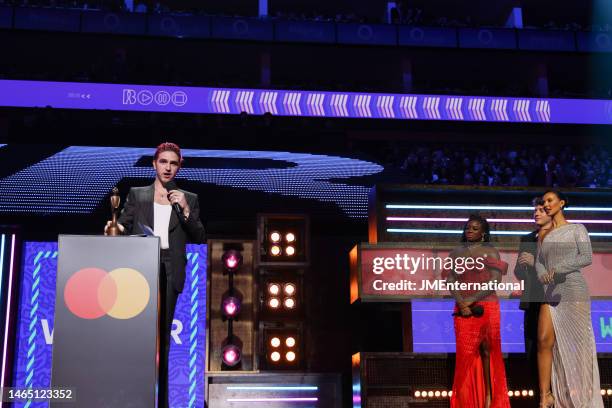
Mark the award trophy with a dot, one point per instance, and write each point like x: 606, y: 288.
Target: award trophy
x: 113, y: 229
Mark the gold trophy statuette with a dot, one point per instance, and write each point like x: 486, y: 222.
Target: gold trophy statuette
x: 113, y: 230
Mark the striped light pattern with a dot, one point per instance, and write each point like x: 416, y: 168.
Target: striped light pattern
x: 273, y: 388
x: 9, y: 296
x: 280, y: 399
x: 458, y: 232
x: 151, y: 98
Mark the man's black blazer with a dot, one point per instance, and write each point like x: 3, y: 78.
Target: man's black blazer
x: 533, y: 294
x: 138, y: 212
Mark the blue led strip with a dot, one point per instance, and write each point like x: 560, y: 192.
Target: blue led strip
x: 82, y: 178
x: 35, y: 292
x: 193, y: 329
x: 2, y: 244
x: 74, y: 95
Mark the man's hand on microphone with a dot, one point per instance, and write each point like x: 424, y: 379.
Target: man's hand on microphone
x: 178, y: 197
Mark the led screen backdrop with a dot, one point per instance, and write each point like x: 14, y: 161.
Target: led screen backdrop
x: 35, y: 326
x: 78, y: 178
x: 433, y: 330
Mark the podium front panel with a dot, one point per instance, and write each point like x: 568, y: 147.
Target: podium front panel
x: 105, y: 334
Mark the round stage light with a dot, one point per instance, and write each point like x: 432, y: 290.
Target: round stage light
x: 275, y: 356
x: 232, y: 260
x: 450, y: 393
x: 603, y: 392
x: 275, y: 342
x: 417, y: 394
x: 289, y: 303
x: 275, y: 236
x: 290, y: 237
x: 289, y: 289
x: 290, y: 251
x: 230, y: 306
x: 290, y: 342
x: 274, y: 303
x: 430, y: 394
x: 524, y: 393
x: 530, y: 393
x: 290, y: 356
x: 609, y: 391
x: 275, y: 250
x: 273, y: 289
x: 437, y: 393
x: 510, y: 393
x: 231, y: 355
x: 444, y: 393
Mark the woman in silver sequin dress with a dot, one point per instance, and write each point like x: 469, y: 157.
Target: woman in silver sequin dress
x: 567, y: 358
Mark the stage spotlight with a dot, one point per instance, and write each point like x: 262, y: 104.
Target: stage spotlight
x: 609, y: 391
x: 430, y: 394
x: 530, y: 393
x: 290, y: 342
x: 275, y: 237
x: 290, y: 250
x: 524, y: 393
x: 289, y: 289
x: 290, y: 356
x: 275, y: 356
x: 603, y: 392
x: 510, y: 393
x: 289, y: 303
x: 230, y: 307
x: 417, y: 394
x: 274, y: 303
x: 444, y: 393
x: 232, y: 260
x: 275, y: 250
x: 437, y: 393
x: 273, y: 289
x: 275, y: 342
x: 290, y: 237
x: 231, y: 355
x: 450, y: 393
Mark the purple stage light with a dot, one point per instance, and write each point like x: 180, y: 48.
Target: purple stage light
x: 232, y: 260
x: 231, y: 306
x: 231, y: 355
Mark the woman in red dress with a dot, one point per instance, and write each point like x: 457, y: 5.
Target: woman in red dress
x: 480, y: 376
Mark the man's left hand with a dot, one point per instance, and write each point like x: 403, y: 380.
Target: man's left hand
x: 178, y: 197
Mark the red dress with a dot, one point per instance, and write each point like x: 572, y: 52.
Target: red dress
x: 470, y: 332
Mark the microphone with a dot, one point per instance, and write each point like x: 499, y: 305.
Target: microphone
x: 477, y: 311
x: 171, y: 185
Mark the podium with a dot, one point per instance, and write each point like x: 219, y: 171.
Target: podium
x: 106, y: 317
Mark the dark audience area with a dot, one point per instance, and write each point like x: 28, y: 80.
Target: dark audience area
x: 501, y: 165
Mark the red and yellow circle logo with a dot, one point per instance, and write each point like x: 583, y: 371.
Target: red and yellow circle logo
x: 122, y: 293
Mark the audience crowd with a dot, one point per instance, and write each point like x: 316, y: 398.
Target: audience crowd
x: 496, y: 165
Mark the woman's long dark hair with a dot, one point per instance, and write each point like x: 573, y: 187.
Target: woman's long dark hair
x: 486, y: 229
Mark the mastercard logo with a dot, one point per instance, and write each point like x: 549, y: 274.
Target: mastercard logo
x: 122, y: 293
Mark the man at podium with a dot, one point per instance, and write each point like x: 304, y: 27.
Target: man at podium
x: 174, y: 216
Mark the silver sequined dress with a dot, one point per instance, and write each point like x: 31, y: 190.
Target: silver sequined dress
x: 575, y: 373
